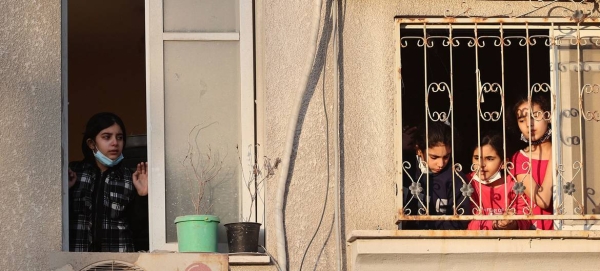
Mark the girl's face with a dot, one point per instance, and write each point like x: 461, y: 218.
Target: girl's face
x: 109, y: 142
x: 532, y: 124
x: 490, y: 162
x: 438, y: 157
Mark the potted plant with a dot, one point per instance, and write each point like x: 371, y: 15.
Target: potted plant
x: 198, y: 232
x: 243, y: 236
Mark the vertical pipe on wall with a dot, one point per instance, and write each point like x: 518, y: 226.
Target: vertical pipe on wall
x: 336, y: 145
x: 64, y: 63
x: 291, y: 134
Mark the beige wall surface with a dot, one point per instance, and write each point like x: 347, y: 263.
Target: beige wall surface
x: 30, y: 110
x: 367, y: 93
x: 30, y: 133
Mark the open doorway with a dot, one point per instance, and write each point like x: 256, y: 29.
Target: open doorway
x: 106, y: 73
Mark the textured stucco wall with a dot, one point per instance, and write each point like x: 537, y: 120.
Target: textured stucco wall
x: 30, y: 104
x: 30, y: 133
x: 367, y: 83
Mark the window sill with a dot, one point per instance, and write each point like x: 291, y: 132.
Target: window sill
x: 423, y: 250
x: 161, y: 261
x: 168, y: 260
x: 249, y: 259
x: 408, y: 234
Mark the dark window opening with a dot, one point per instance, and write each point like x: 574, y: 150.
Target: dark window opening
x: 106, y: 73
x: 437, y: 68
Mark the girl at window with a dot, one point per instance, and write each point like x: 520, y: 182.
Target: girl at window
x: 493, y: 192
x: 102, y: 191
x: 533, y: 164
x: 434, y: 173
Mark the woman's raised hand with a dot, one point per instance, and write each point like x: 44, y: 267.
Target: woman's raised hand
x: 140, y: 179
x: 72, y: 178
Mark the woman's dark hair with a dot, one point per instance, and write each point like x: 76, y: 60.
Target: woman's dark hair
x: 439, y: 133
x: 494, y: 139
x: 93, y: 127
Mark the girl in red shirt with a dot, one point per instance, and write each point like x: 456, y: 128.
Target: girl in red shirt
x: 494, y: 192
x: 533, y: 164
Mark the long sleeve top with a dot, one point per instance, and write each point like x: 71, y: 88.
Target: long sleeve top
x: 441, y: 199
x: 101, y: 208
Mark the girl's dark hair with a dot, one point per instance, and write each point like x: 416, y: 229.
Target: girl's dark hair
x: 439, y: 133
x: 538, y: 98
x: 93, y: 127
x: 494, y: 139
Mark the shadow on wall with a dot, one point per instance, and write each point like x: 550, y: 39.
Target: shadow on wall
x: 317, y: 69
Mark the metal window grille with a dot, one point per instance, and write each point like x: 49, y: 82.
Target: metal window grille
x: 466, y: 71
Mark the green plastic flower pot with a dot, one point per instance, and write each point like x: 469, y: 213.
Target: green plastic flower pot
x: 197, y: 233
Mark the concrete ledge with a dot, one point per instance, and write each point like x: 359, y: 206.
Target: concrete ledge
x: 485, y: 250
x: 67, y: 261
x: 257, y: 259
x: 403, y: 234
x: 75, y: 261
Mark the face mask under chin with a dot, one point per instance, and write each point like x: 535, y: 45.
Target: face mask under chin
x: 100, y: 157
x: 490, y: 180
x: 424, y: 167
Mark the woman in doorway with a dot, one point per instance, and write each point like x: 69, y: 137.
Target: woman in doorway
x: 102, y: 191
x: 533, y: 164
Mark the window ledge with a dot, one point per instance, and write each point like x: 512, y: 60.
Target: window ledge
x: 160, y: 260
x: 249, y: 259
x: 427, y: 234
x: 73, y: 261
x: 423, y: 250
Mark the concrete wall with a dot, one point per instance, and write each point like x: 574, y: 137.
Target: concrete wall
x: 30, y: 137
x: 367, y: 93
x: 30, y: 133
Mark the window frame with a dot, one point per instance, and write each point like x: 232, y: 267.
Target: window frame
x: 553, y: 25
x: 155, y: 38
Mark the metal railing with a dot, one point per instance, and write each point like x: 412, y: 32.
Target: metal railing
x: 573, y: 47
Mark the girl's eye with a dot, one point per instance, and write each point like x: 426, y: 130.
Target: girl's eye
x: 120, y: 137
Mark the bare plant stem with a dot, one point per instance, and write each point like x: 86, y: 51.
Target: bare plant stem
x: 204, y: 171
x: 255, y: 180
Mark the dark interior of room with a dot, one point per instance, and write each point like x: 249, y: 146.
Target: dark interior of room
x: 107, y: 73
x: 465, y: 83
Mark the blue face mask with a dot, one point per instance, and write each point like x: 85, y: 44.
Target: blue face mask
x: 105, y: 160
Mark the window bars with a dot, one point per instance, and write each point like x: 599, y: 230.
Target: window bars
x: 449, y: 67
